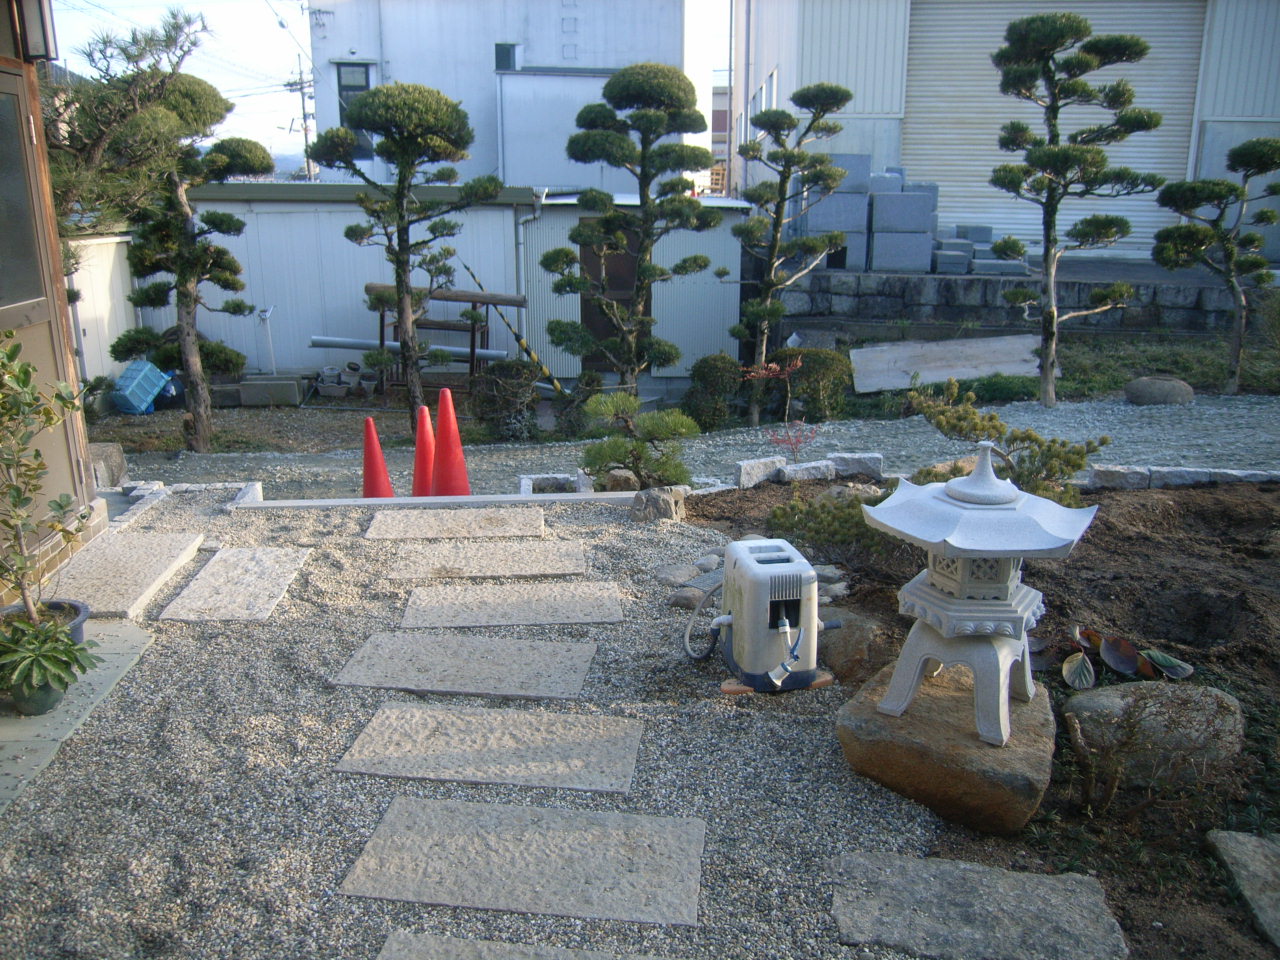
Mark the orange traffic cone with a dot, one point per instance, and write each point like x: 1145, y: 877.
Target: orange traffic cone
x: 424, y: 454
x: 450, y: 476
x: 376, y: 481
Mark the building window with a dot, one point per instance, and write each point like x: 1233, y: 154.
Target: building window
x: 569, y: 51
x: 568, y: 24
x: 504, y: 56
x: 353, y: 80
x: 771, y: 91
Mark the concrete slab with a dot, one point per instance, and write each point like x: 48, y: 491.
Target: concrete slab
x: 499, y: 604
x: 270, y: 393
x: 60, y: 722
x: 890, y: 366
x: 573, y: 863
x: 474, y: 522
x: 472, y: 745
x: 238, y: 583
x: 21, y: 762
x: 118, y: 574
x: 977, y: 232
x: 857, y: 167
x: 456, y: 663
x: 902, y: 252
x: 954, y: 910
x: 1254, y: 865
x: 488, y: 558
x: 402, y: 945
x: 901, y: 213
x: 838, y: 211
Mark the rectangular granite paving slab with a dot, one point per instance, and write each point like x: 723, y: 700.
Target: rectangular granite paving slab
x: 473, y: 745
x: 402, y: 945
x: 238, y: 583
x: 461, y: 663
x: 488, y: 558
x: 572, y: 863
x: 461, y: 523
x: 116, y: 574
x: 500, y: 604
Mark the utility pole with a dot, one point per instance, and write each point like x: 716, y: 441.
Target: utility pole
x: 304, y: 86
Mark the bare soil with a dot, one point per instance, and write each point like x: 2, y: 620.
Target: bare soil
x: 1191, y: 571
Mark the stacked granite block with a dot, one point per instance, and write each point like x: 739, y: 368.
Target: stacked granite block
x: 901, y: 230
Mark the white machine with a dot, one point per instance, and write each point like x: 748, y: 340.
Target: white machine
x: 770, y: 624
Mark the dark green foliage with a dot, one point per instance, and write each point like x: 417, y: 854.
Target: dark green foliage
x: 504, y: 399
x: 1001, y: 388
x: 644, y: 443
x: 644, y: 103
x: 795, y: 180
x: 715, y: 380
x: 414, y: 127
x: 571, y: 417
x: 1043, y: 62
x: 821, y: 383
x: 137, y: 343
x: 1216, y: 236
x: 215, y: 357
x: 834, y: 530
x: 1033, y: 463
x: 1009, y: 248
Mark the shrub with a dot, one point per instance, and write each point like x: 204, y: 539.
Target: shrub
x: 715, y: 380
x: 1002, y: 388
x: 643, y: 443
x: 215, y: 356
x: 135, y: 344
x: 571, y: 418
x: 834, y: 530
x: 504, y: 399
x: 821, y: 383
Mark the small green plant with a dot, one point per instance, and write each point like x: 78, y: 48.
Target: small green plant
x: 1001, y: 388
x: 714, y: 380
x: 136, y: 344
x: 834, y: 530
x: 1035, y: 464
x: 504, y: 398
x: 644, y: 443
x: 33, y: 655
x: 821, y: 382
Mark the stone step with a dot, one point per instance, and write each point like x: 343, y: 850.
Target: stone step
x: 1254, y: 865
x: 238, y: 583
x: 402, y: 945
x: 117, y: 574
x: 954, y: 910
x: 471, y: 745
x: 502, y: 604
x: 573, y: 863
x: 461, y: 523
x: 460, y: 663
x: 488, y: 558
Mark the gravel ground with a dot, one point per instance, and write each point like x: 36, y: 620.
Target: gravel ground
x: 197, y: 813
x: 1229, y: 432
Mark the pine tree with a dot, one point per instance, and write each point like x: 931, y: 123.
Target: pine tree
x: 1216, y: 237
x: 1044, y: 62
x: 660, y: 102
x: 795, y: 175
x: 414, y: 128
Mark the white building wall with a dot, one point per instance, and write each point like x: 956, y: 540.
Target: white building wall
x: 103, y: 312
x: 449, y: 45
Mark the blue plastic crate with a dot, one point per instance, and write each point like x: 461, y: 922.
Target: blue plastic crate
x: 138, y: 386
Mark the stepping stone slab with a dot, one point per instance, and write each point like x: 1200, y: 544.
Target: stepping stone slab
x: 117, y: 574
x: 500, y: 604
x: 497, y: 746
x: 238, y: 583
x: 464, y: 523
x: 572, y: 863
x: 956, y: 911
x: 1254, y: 864
x: 457, y: 663
x: 402, y: 945
x: 488, y: 558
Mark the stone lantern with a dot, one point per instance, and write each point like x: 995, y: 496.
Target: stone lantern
x: 970, y: 604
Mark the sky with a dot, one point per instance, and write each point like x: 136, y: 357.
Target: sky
x: 251, y: 51
x: 247, y: 54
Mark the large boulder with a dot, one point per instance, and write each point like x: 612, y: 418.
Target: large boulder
x: 659, y: 503
x: 1150, y: 391
x: 620, y: 481
x: 861, y: 645
x: 932, y: 753
x: 1154, y: 732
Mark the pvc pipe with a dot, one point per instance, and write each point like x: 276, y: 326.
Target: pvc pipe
x: 347, y: 343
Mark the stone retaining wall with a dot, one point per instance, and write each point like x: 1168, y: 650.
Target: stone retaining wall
x: 856, y: 305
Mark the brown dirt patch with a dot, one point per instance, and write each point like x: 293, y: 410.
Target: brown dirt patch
x: 1194, y: 572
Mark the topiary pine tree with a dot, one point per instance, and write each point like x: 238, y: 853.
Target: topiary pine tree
x: 1044, y: 62
x: 1216, y: 237
x: 413, y: 126
x: 795, y: 174
x: 170, y: 239
x: 661, y: 103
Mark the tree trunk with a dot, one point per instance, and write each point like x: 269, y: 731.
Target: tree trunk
x: 1236, y: 355
x: 199, y: 403
x: 1049, y: 307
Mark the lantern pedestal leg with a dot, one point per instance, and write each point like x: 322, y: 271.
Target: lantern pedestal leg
x: 1000, y: 667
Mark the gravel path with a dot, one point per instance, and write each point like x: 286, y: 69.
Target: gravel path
x: 1227, y: 432
x: 198, y: 814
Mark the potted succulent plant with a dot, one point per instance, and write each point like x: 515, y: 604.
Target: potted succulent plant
x: 42, y: 643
